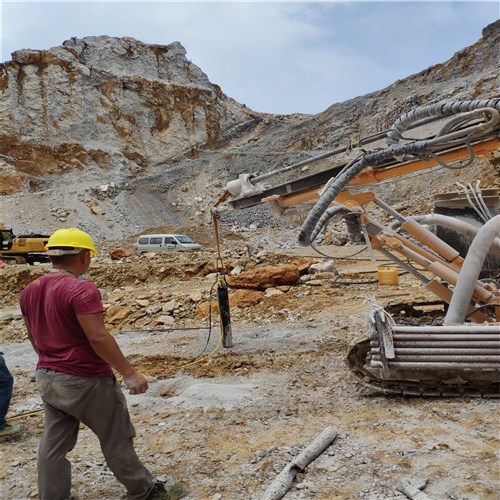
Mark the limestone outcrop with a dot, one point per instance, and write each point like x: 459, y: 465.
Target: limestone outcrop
x: 102, y: 103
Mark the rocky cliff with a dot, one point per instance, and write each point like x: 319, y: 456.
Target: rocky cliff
x: 115, y: 136
x: 102, y: 103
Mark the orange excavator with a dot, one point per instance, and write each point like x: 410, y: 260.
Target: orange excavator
x: 461, y: 355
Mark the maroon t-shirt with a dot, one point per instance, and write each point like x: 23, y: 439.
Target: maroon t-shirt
x: 50, y: 304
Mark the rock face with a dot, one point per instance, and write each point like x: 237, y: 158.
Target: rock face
x: 115, y: 136
x: 103, y: 103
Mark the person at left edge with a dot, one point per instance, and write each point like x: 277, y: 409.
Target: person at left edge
x: 7, y: 430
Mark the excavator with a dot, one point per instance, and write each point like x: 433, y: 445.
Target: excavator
x: 24, y: 248
x: 461, y: 356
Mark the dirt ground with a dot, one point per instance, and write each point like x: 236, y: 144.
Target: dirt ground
x: 226, y: 421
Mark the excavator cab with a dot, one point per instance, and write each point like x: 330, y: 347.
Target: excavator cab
x: 7, y: 238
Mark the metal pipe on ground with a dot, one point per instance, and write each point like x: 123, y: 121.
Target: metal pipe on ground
x: 403, y: 344
x: 452, y: 351
x: 446, y: 337
x: 447, y: 329
x: 443, y: 359
x: 432, y: 366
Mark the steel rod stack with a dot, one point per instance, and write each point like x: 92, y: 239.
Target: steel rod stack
x: 474, y: 347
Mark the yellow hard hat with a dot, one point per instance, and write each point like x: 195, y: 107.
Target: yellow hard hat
x: 73, y: 238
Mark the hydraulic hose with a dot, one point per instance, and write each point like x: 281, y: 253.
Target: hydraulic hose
x: 329, y: 214
x: 395, y: 133
x: 315, y: 222
x: 471, y: 268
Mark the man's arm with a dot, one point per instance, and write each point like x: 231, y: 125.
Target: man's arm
x: 104, y: 344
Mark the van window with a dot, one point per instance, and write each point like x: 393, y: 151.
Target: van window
x: 169, y: 240
x: 143, y: 241
x: 155, y: 241
x: 182, y: 238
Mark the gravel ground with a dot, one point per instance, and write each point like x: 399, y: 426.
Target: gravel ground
x: 228, y: 423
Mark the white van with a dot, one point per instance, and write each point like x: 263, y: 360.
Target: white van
x: 165, y: 243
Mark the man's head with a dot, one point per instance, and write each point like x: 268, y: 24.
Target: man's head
x: 70, y: 248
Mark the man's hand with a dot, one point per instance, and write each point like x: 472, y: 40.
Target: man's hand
x: 136, y: 383
x: 105, y: 346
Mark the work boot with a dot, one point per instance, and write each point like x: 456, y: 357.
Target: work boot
x: 167, y: 492
x: 11, y: 430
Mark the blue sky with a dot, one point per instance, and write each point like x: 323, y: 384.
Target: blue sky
x: 275, y: 57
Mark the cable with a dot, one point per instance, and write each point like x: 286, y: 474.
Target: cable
x: 161, y: 330
x: 354, y: 282
x: 476, y: 192
x: 313, y: 246
x: 28, y: 414
x: 481, y: 200
x: 476, y: 309
x: 471, y: 203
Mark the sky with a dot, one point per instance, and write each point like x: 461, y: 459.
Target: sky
x: 275, y: 57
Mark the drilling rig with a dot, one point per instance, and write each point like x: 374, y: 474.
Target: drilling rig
x: 461, y: 356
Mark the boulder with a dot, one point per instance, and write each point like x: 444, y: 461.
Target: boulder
x: 119, y: 253
x: 265, y: 277
x: 116, y: 314
x: 203, y: 309
x: 245, y: 298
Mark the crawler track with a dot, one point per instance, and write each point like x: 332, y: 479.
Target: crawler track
x: 429, y: 388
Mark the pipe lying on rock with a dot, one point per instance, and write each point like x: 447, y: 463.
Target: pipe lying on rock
x: 279, y: 487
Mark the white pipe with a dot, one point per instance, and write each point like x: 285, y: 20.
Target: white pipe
x: 457, y: 225
x: 279, y: 487
x: 471, y: 268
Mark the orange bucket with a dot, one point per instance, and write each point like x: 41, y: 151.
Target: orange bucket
x: 387, y: 275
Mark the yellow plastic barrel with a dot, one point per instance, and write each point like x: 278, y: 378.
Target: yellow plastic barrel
x: 387, y: 275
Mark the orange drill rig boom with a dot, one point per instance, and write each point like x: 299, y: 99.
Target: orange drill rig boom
x: 463, y: 355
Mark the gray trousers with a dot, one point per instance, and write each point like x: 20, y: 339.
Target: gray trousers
x: 98, y: 403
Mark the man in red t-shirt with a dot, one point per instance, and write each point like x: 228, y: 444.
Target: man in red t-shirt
x: 64, y: 319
